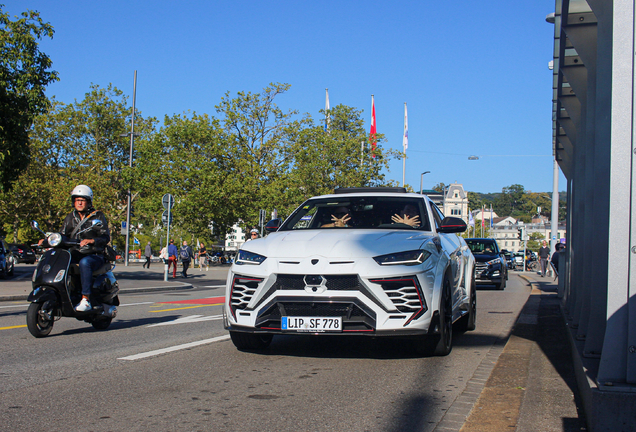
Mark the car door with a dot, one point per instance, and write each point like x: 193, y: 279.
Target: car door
x: 453, y: 247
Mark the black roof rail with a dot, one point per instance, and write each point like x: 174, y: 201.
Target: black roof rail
x: 344, y: 190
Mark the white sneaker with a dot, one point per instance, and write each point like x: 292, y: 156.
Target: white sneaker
x: 83, y: 306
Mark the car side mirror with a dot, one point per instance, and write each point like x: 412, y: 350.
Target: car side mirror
x: 273, y: 225
x: 452, y: 225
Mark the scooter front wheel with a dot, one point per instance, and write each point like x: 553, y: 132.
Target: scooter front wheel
x: 101, y: 324
x: 38, y: 325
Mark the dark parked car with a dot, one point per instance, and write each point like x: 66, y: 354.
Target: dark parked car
x: 23, y: 253
x: 490, y: 262
x: 7, y: 260
x: 509, y: 258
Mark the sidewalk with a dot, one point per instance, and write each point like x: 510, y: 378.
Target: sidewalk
x: 131, y: 279
x: 533, y: 384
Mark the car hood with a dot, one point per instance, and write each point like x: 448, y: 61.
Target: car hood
x: 336, y: 243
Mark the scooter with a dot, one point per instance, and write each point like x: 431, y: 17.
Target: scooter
x: 57, y: 287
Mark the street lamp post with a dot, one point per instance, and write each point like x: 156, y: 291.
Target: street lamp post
x: 422, y: 180
x: 130, y: 161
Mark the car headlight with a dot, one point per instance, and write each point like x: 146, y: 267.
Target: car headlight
x: 494, y: 262
x: 55, y: 239
x: 403, y: 258
x: 246, y: 257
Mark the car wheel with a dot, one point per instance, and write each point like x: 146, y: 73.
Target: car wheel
x: 502, y: 284
x: 441, y: 344
x: 250, y: 341
x: 38, y: 326
x: 11, y: 270
x: 469, y: 321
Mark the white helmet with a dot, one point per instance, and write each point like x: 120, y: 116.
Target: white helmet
x: 82, y: 191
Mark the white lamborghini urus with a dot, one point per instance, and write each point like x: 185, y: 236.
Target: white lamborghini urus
x: 370, y: 261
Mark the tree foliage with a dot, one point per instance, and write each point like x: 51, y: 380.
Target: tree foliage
x: 24, y: 74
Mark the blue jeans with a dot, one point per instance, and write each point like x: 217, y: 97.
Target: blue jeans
x: 87, y: 266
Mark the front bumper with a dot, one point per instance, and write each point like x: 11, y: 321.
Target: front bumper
x: 385, y: 304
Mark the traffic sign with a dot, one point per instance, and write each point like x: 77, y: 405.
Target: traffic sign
x: 164, y: 217
x: 168, y: 201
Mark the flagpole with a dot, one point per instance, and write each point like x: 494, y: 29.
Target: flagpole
x: 405, y: 144
x: 361, y: 152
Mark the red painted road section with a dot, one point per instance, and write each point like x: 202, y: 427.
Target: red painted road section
x: 211, y: 300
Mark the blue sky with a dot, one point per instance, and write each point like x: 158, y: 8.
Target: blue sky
x: 474, y: 74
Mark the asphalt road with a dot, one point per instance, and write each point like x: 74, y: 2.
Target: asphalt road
x: 166, y: 363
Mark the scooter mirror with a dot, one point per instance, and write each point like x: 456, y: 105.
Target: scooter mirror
x: 36, y: 226
x: 97, y: 223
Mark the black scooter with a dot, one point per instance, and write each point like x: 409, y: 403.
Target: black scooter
x: 57, y: 287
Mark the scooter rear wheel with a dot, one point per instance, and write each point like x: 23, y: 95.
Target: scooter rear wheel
x: 38, y: 326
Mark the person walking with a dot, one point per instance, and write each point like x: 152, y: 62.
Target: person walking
x: 544, y: 256
x: 185, y: 253
x: 203, y: 258
x: 148, y: 255
x: 172, y: 258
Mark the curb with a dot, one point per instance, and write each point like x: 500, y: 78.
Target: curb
x: 24, y: 297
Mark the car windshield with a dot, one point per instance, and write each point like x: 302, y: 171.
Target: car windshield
x: 486, y: 247
x: 367, y: 212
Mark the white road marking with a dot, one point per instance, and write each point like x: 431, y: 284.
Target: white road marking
x: 15, y: 306
x: 137, y: 304
x: 27, y: 305
x: 188, y: 320
x: 175, y: 348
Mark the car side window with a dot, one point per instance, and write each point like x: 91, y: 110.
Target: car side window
x: 438, y: 216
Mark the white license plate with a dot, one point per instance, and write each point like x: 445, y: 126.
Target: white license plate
x: 312, y: 324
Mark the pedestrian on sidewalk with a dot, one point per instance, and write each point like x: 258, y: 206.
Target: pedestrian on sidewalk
x: 203, y: 258
x: 148, y: 255
x: 544, y: 257
x: 172, y: 258
x: 186, y: 257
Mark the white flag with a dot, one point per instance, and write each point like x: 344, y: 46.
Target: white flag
x: 405, y: 138
x: 327, y: 110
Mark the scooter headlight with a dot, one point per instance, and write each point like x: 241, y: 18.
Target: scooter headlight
x: 55, y: 239
x: 59, y: 276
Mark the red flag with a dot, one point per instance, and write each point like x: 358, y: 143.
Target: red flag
x: 372, y: 132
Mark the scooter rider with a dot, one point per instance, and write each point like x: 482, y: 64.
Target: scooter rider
x: 90, y: 254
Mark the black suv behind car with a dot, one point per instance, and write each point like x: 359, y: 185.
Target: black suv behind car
x: 490, y: 262
x: 22, y: 253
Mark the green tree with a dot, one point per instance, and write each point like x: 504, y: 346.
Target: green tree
x: 24, y: 74
x: 534, y: 242
x: 72, y: 144
x: 439, y: 187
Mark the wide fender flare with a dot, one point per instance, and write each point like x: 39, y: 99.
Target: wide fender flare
x: 43, y: 294
x: 443, y: 267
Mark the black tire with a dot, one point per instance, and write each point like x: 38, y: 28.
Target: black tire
x: 502, y: 284
x: 38, y: 326
x: 442, y: 344
x: 250, y: 341
x: 10, y: 272
x: 469, y: 321
x: 102, y: 323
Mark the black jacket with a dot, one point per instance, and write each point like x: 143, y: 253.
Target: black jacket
x: 101, y: 236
